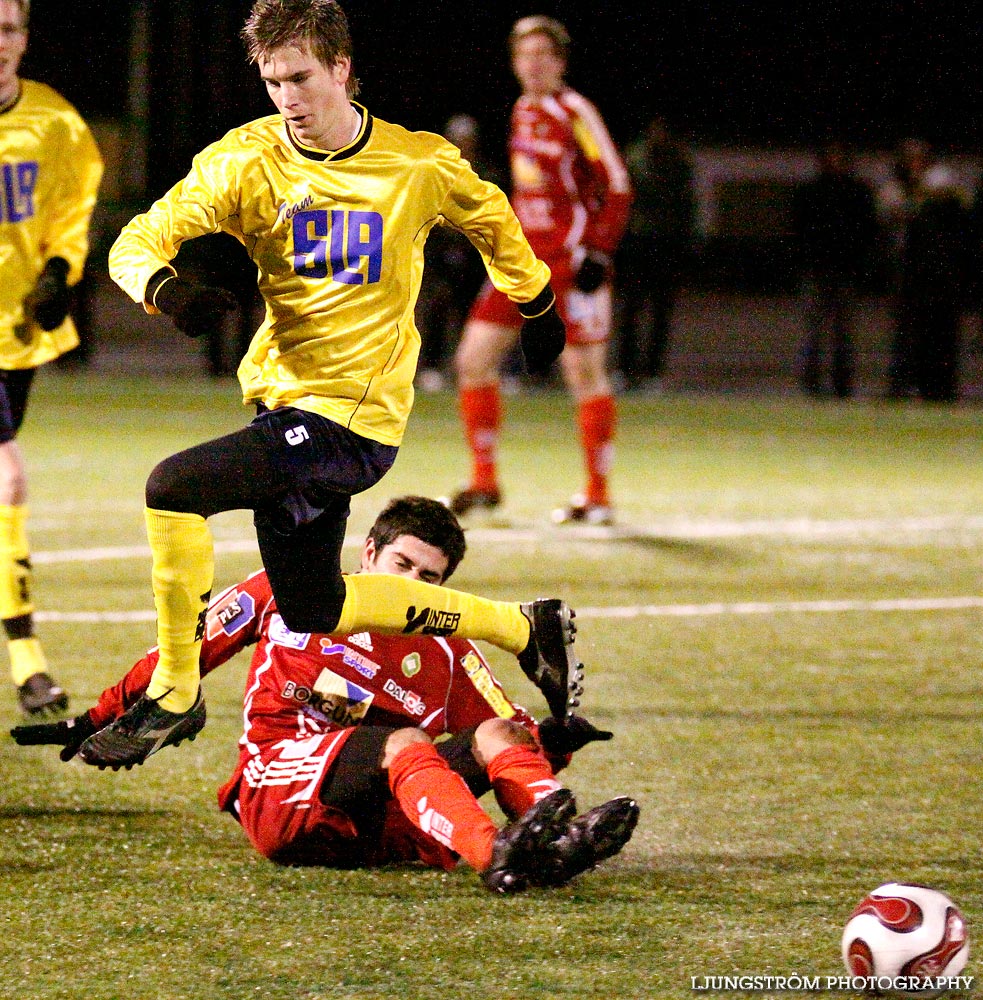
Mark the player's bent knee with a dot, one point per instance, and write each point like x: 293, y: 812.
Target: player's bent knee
x: 400, y: 739
x: 169, y: 487
x: 495, y: 735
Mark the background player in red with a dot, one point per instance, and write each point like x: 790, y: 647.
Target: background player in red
x: 572, y: 194
x: 337, y: 764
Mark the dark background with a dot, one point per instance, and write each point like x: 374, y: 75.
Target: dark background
x: 737, y: 73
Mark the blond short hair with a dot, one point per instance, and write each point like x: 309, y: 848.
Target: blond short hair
x: 542, y: 25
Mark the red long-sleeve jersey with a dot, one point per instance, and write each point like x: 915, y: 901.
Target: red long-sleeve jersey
x: 570, y: 187
x: 303, y: 684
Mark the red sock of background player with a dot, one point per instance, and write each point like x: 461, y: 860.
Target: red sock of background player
x: 481, y: 414
x: 520, y: 777
x: 596, y: 419
x: 437, y: 801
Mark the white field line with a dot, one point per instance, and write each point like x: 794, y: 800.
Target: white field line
x: 677, y: 528
x: 635, y: 611
x: 781, y: 607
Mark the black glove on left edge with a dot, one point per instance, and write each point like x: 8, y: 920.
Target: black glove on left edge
x: 69, y: 734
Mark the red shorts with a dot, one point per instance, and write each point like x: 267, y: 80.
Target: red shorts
x: 587, y: 316
x: 280, y: 809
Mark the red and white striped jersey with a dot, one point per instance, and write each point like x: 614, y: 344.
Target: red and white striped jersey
x: 570, y: 186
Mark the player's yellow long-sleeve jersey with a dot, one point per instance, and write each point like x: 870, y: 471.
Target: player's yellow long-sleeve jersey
x: 337, y: 239
x: 50, y: 169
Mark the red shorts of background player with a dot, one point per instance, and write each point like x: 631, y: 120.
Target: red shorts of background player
x: 587, y: 316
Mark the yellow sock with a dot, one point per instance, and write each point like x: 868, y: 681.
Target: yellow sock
x: 15, y: 566
x: 26, y: 655
x: 184, y: 567
x: 388, y: 603
x: 26, y: 659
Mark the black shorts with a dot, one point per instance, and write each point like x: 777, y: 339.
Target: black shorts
x: 15, y: 387
x: 324, y: 462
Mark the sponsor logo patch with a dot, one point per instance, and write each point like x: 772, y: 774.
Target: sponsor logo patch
x: 429, y: 621
x: 410, y: 700
x: 481, y: 678
x: 350, y: 657
x: 363, y: 640
x: 411, y: 665
x: 280, y: 635
x: 342, y: 701
x: 230, y: 614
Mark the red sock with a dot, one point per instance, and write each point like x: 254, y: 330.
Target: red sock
x: 436, y: 800
x: 597, y: 418
x: 520, y: 777
x: 481, y: 414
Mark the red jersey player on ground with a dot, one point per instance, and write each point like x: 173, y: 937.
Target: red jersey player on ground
x: 337, y: 761
x: 572, y: 194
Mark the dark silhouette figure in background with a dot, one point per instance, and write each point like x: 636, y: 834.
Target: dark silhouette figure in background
x: 454, y: 271
x: 835, y: 230
x: 654, y: 252
x: 934, y: 240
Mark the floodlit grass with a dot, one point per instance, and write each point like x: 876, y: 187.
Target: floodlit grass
x: 787, y: 758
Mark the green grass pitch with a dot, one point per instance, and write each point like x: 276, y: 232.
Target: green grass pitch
x: 784, y: 632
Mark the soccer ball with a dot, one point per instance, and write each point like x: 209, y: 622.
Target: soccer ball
x: 901, y: 934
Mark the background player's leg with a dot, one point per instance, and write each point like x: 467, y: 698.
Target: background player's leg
x: 36, y: 690
x: 477, y: 363
x: 586, y: 376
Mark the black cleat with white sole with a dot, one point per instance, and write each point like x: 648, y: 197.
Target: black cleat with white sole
x: 40, y: 695
x: 549, y: 660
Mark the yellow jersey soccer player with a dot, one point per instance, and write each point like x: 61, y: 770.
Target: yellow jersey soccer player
x: 334, y: 206
x: 50, y: 169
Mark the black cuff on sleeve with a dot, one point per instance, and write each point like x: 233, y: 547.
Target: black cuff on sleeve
x: 58, y: 267
x: 156, y: 280
x: 540, y: 304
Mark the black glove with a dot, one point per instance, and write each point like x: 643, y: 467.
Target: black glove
x: 569, y: 735
x: 196, y: 309
x: 543, y: 334
x: 593, y: 272
x: 47, y: 303
x: 69, y: 734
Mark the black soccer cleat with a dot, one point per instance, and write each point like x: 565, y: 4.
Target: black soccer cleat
x: 142, y: 730
x: 470, y: 501
x: 39, y: 695
x: 549, y: 660
x: 589, y: 839
x: 522, y: 848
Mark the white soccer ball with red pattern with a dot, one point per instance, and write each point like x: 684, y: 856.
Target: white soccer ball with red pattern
x: 902, y: 933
